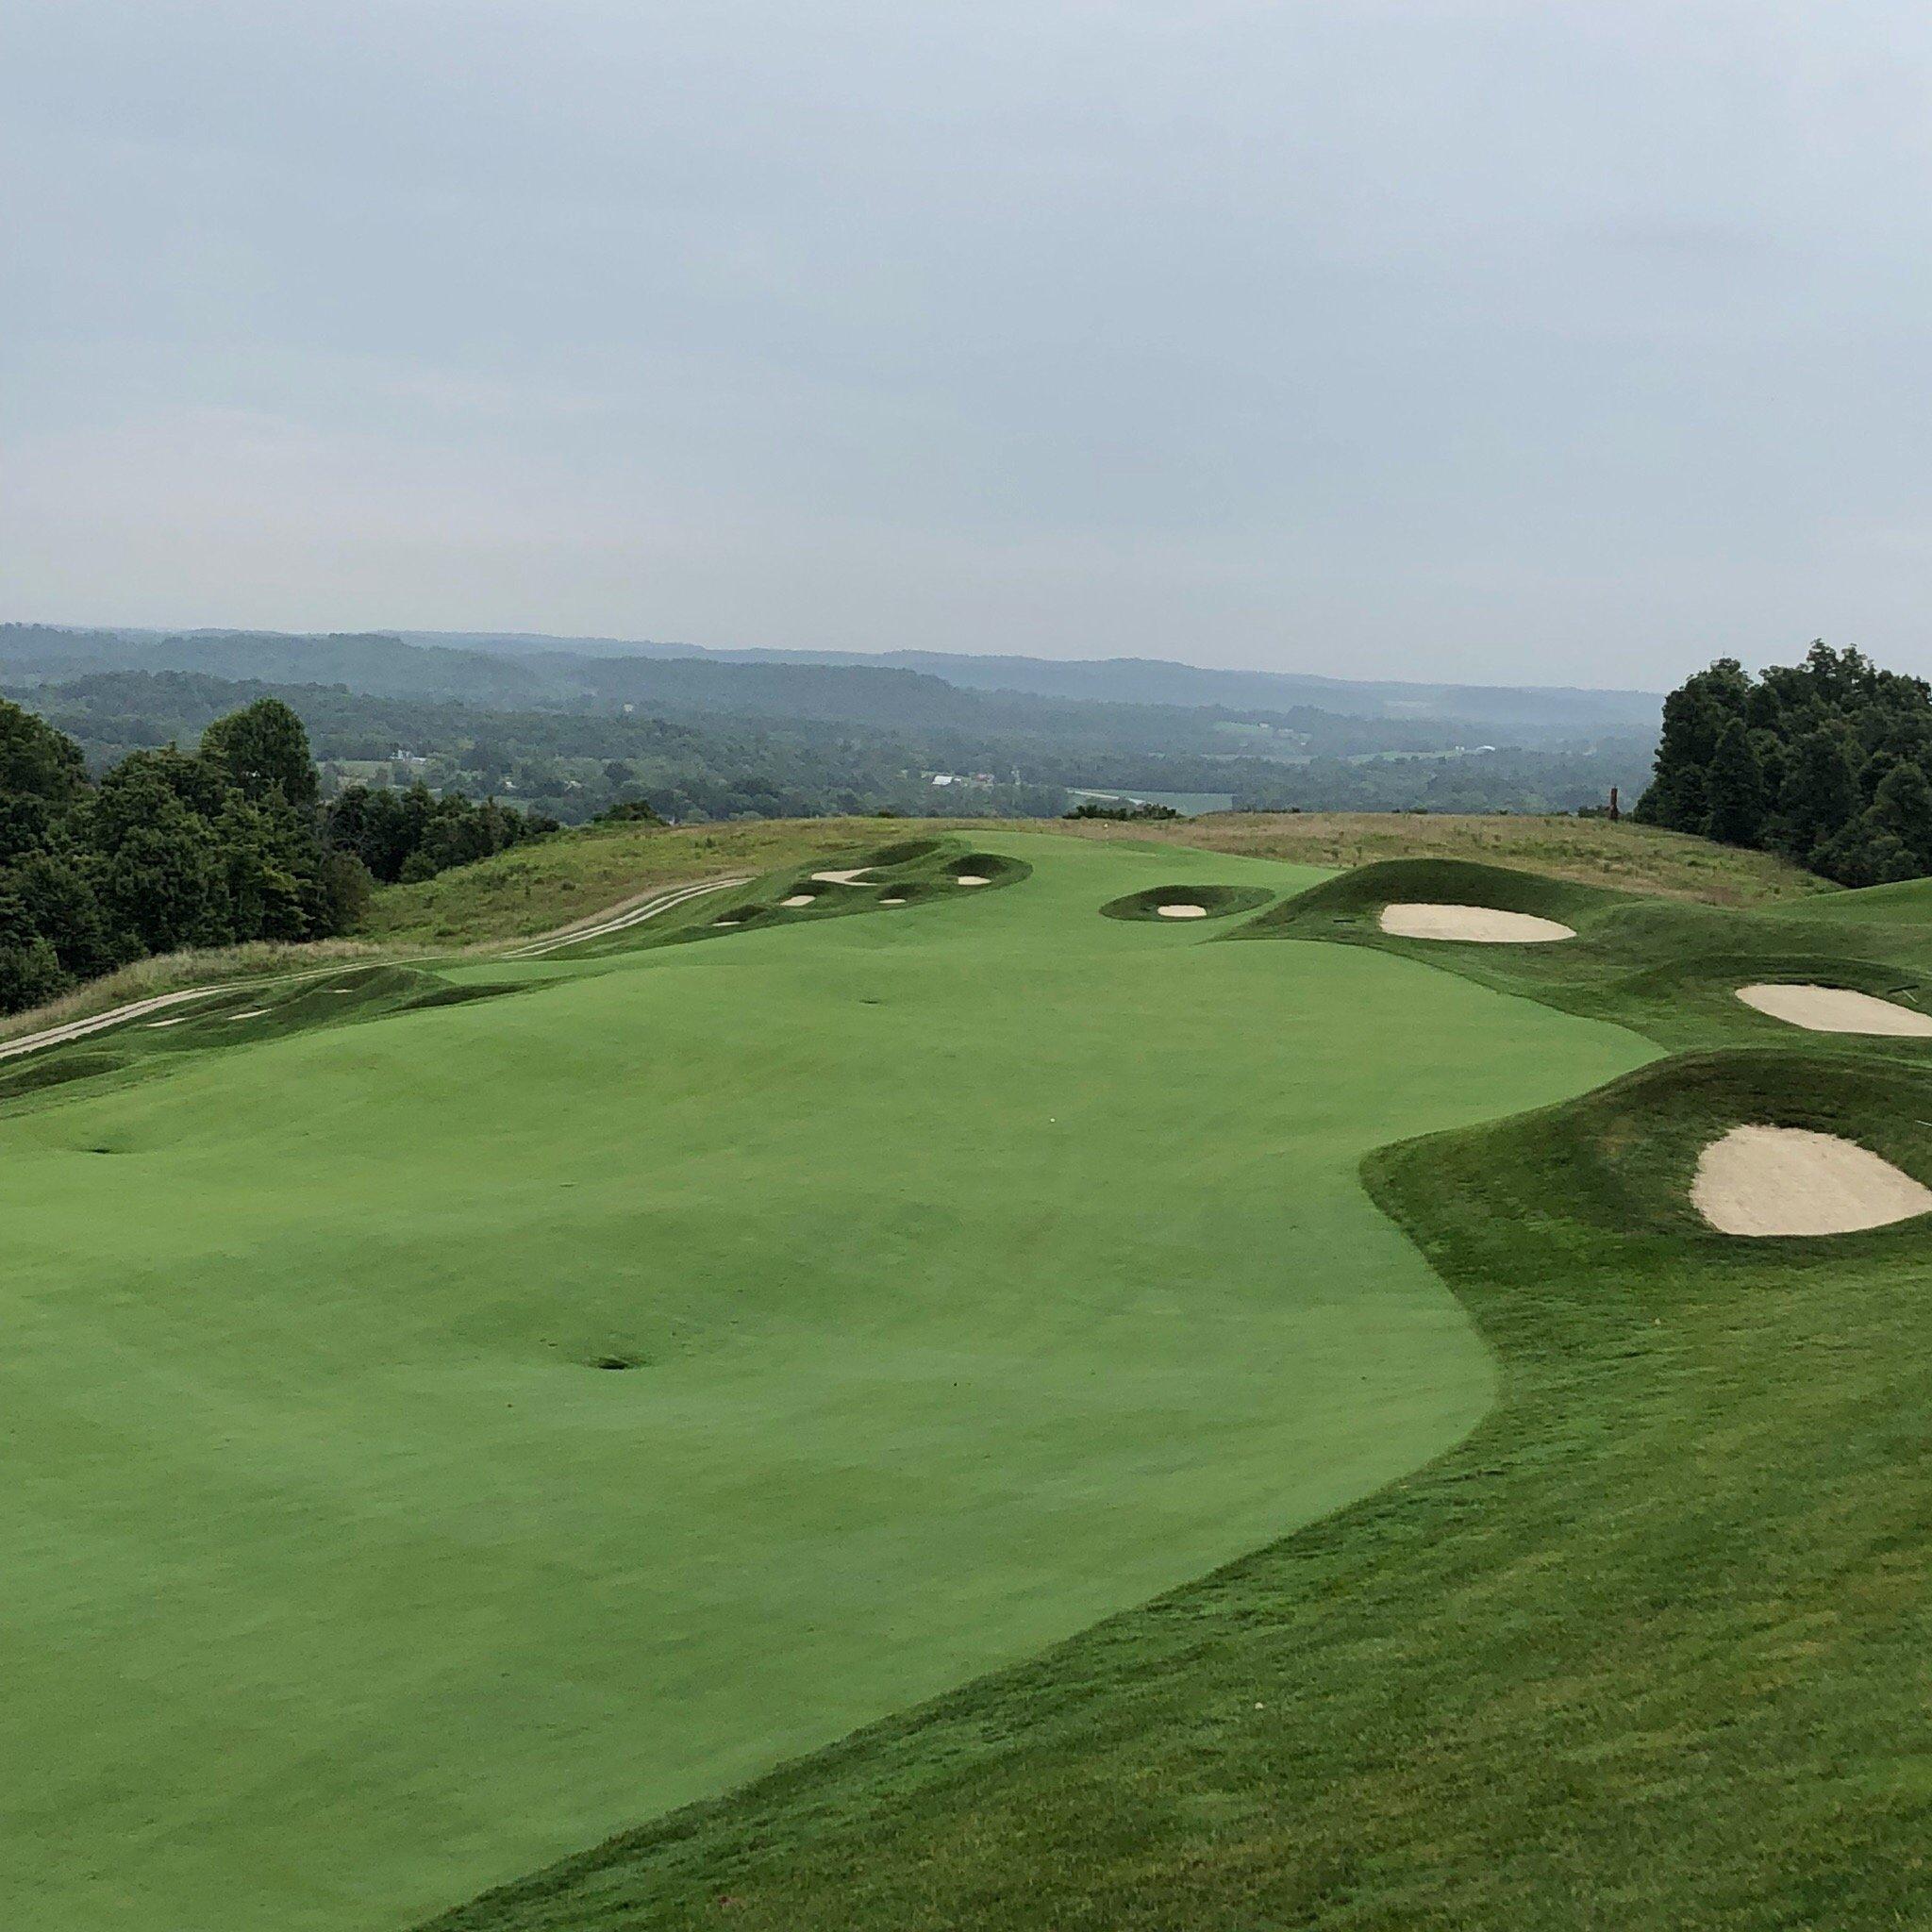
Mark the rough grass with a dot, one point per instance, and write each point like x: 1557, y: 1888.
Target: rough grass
x: 1646, y: 1650
x: 170, y: 972
x: 1593, y: 852
x: 1668, y: 969
x: 537, y: 888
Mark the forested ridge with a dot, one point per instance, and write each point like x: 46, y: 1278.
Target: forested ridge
x: 227, y: 843
x: 1827, y: 762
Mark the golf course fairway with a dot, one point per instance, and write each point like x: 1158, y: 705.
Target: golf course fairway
x: 966, y: 1271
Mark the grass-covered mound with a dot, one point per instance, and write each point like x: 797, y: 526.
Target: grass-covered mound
x: 994, y: 868
x: 1350, y: 906
x: 1668, y: 969
x: 1644, y: 1650
x: 1218, y: 901
x: 243, y: 1014
x: 881, y: 878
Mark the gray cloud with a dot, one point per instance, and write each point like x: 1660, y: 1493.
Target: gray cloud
x: 1541, y: 339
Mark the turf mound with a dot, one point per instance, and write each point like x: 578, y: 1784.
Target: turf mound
x: 1760, y: 1180
x: 905, y: 852
x: 1835, y: 1009
x: 985, y: 869
x: 1352, y: 906
x: 1482, y: 925
x: 1203, y: 902
x: 1907, y: 902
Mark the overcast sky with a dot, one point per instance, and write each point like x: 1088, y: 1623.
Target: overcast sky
x: 1567, y: 342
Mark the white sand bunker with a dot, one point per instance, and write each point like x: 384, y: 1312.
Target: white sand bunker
x: 891, y: 902
x: 798, y: 899
x: 1420, y: 920
x: 842, y: 879
x: 253, y: 1013
x: 1180, y: 911
x: 1788, y: 1180
x: 971, y: 878
x: 1835, y: 1009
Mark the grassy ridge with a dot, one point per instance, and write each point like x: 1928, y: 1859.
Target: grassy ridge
x: 538, y: 888
x: 1623, y: 857
x: 1647, y: 1649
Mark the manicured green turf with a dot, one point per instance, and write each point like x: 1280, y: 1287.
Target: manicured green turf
x: 977, y: 1267
x: 1647, y: 1649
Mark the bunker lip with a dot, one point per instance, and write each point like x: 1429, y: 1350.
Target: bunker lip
x: 1833, y: 1010
x: 1484, y: 926
x: 1765, y: 1180
x: 1181, y: 909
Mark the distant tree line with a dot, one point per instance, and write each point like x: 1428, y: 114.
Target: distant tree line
x: 170, y: 849
x: 1828, y: 762
x: 405, y: 836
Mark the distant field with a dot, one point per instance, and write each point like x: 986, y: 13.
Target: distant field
x: 535, y: 889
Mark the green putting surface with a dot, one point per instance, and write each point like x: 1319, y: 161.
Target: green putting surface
x: 976, y: 1268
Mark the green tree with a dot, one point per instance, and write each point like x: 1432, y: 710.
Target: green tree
x: 1735, y: 787
x: 262, y: 750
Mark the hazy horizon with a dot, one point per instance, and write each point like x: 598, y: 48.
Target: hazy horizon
x: 1554, y: 344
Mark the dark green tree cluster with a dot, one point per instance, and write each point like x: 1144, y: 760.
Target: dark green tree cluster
x: 1828, y: 762
x: 170, y: 849
x: 411, y: 835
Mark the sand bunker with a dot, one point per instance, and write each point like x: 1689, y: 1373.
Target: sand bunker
x: 891, y: 902
x: 155, y: 1026
x: 1788, y: 1180
x: 1180, y: 911
x: 798, y: 899
x: 842, y: 879
x: 1418, y: 920
x: 253, y: 1013
x: 1835, y: 1009
x: 971, y: 878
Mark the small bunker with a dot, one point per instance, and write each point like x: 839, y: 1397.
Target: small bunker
x: 1835, y: 1009
x: 1482, y: 925
x: 1763, y: 1180
x: 1187, y: 902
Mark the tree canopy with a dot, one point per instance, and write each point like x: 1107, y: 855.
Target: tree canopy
x: 203, y: 848
x: 1828, y: 762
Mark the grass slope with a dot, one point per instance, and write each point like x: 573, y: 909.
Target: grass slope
x: 1647, y: 1649
x: 537, y: 888
x: 1592, y: 852
x: 974, y: 1270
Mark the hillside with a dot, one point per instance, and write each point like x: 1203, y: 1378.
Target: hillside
x: 540, y: 888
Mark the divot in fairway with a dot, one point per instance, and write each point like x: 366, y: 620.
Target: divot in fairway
x: 1835, y: 1009
x: 1760, y: 1180
x: 1483, y: 924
